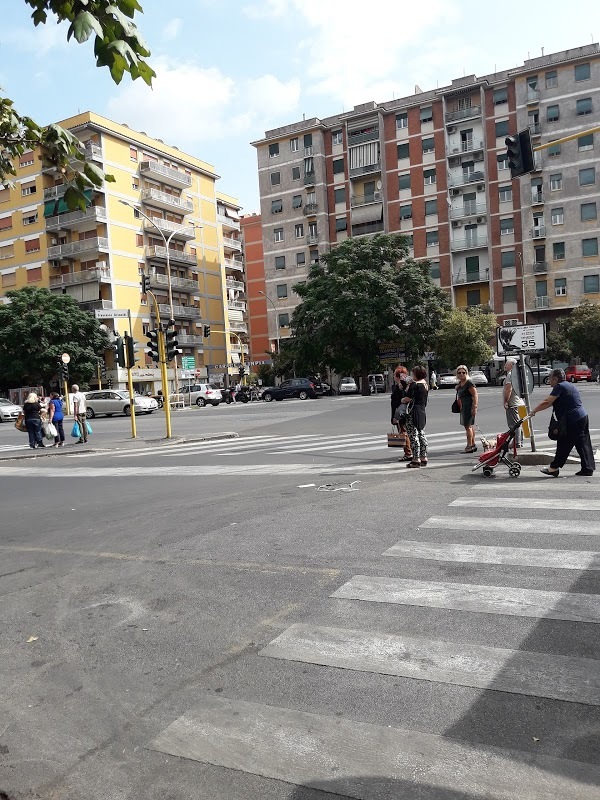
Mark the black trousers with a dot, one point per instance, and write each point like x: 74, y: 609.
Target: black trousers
x: 578, y: 437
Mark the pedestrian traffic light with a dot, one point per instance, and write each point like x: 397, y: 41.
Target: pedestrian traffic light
x: 171, y: 344
x: 207, y: 331
x: 131, y: 348
x: 152, y: 349
x: 242, y: 370
x: 145, y: 284
x: 520, y: 153
x: 119, y: 351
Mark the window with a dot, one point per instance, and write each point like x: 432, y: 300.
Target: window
x: 308, y: 140
x: 434, y: 269
x: 404, y: 181
x: 278, y: 234
x: 338, y: 166
x: 551, y: 79
x: 30, y: 188
x: 281, y: 290
x: 552, y: 114
x: 474, y: 297
x: 314, y: 256
x: 312, y: 228
x: 505, y: 194
x: 284, y: 320
x: 300, y: 259
x: 502, y: 160
x: 8, y: 278
x: 556, y: 181
x: 27, y: 159
x: 560, y: 287
x: 429, y: 176
x: 591, y: 284
x: 406, y: 212
x: 432, y: 238
x: 7, y: 250
x: 4, y: 194
x: 339, y: 195
x: 558, y: 251
x: 589, y: 247
x: 337, y: 137
x: 136, y: 213
x: 341, y: 224
x: 430, y: 207
x: 135, y: 184
x: 139, y: 240
x: 508, y: 258
x: 584, y: 106
x: 297, y: 201
x: 279, y: 262
x: 402, y: 120
x: 541, y: 288
x: 133, y: 153
x: 275, y: 178
x: 32, y: 245
x: 500, y: 96
x: 6, y: 223
x: 507, y: 226
x: 403, y: 150
x: 586, y: 142
x: 587, y: 176
x: 30, y: 219
x: 34, y: 275
x: 428, y: 145
x: 410, y: 240
x: 557, y: 216
x: 426, y: 114
x: 276, y: 206
x: 588, y: 212
x: 274, y: 150
x: 509, y: 294
x: 294, y: 145
x: 582, y: 72
x: 553, y: 150
x: 502, y: 129
x: 299, y: 231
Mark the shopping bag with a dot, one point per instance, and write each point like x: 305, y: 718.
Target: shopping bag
x: 76, y: 431
x: 396, y: 439
x: 20, y: 423
x: 88, y: 427
x: 50, y: 431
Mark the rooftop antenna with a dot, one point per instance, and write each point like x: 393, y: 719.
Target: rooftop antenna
x: 542, y: 51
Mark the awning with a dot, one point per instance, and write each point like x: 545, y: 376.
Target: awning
x: 63, y: 208
x: 49, y: 208
x: 373, y: 212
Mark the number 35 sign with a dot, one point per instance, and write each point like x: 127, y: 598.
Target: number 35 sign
x: 521, y: 339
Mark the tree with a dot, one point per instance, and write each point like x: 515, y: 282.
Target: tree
x: 558, y: 347
x: 36, y: 328
x: 118, y: 46
x: 582, y: 329
x: 465, y: 338
x: 363, y: 293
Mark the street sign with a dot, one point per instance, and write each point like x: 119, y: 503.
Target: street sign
x: 188, y: 362
x: 429, y: 355
x: 517, y: 382
x: 521, y: 339
x: 111, y: 313
x: 65, y: 358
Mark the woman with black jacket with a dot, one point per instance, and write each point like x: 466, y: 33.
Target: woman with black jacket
x: 417, y: 393
x: 398, y: 392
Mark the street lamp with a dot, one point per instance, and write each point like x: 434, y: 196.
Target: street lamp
x: 268, y: 299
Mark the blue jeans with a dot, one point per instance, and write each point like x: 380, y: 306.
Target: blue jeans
x: 34, y: 429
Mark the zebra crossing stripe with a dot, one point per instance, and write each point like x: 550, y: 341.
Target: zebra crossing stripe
x: 515, y: 556
x: 178, y: 471
x: 576, y: 680
x: 542, y: 485
x: 363, y: 760
x: 240, y: 445
x: 507, y: 600
x: 559, y: 503
x: 551, y: 527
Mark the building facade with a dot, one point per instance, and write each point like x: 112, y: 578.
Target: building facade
x: 433, y: 166
x: 260, y: 346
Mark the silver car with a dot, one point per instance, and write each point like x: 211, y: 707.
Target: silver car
x: 8, y: 410
x: 116, y: 401
x: 347, y: 386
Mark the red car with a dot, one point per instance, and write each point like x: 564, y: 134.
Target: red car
x: 579, y: 372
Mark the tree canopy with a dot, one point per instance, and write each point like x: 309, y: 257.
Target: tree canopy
x: 582, y: 330
x: 464, y: 338
x: 36, y: 328
x: 364, y: 293
x: 118, y: 46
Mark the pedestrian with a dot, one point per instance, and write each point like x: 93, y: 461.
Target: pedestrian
x: 80, y: 413
x: 468, y: 399
x: 399, y: 416
x: 572, y: 423
x: 416, y: 395
x: 433, y: 379
x: 32, y: 409
x: 57, y: 418
x: 512, y: 400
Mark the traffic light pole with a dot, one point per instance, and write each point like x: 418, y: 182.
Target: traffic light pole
x: 129, y: 364
x: 162, y: 360
x: 66, y: 393
x: 99, y: 373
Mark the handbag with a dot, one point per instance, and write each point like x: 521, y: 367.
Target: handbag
x: 20, y: 423
x: 76, y: 431
x: 557, y: 428
x: 456, y: 405
x: 397, y: 439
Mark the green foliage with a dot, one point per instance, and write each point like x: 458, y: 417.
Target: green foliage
x: 266, y: 374
x: 558, y: 347
x: 363, y: 293
x: 582, y: 329
x: 36, y: 328
x: 465, y: 338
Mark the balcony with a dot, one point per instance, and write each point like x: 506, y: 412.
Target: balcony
x: 308, y: 151
x: 312, y: 238
x: 174, y: 255
x: 237, y: 285
x: 232, y: 244
x: 157, y: 279
x: 167, y: 202
x: 229, y: 222
x: 93, y: 305
x: 364, y: 136
x: 537, y: 197
x: 469, y: 209
x: 236, y: 305
x: 358, y: 200
x: 542, y: 302
x: 190, y: 340
x: 234, y: 263
x: 479, y: 276
x: 172, y: 177
x: 539, y: 267
x: 187, y: 312
x: 168, y: 228
x: 533, y: 95
x: 239, y: 348
x: 538, y: 232
x: 466, y: 146
x: 309, y: 179
x: 367, y: 169
x: 310, y: 209
x: 76, y: 249
x: 74, y: 219
x: 239, y: 327
x: 466, y: 178
x: 470, y: 243
x: 99, y: 275
x: 462, y: 113
x: 54, y: 192
x: 535, y: 129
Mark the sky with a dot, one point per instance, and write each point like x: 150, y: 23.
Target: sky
x: 228, y: 70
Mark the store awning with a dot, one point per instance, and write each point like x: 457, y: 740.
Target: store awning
x: 373, y: 212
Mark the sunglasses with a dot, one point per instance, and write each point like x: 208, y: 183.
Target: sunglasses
x: 461, y: 371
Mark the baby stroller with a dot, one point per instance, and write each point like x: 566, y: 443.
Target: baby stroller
x: 498, y: 454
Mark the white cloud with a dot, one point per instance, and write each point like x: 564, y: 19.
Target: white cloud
x: 38, y: 40
x: 172, y: 28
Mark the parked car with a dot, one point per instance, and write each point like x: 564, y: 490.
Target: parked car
x: 578, y: 372
x: 8, y: 410
x: 347, y: 386
x: 478, y: 377
x: 116, y: 401
x: 327, y: 389
x: 378, y: 382
x: 202, y: 394
x: 294, y: 387
x: 447, y: 380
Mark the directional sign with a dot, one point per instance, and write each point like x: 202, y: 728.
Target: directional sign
x: 111, y: 313
x: 521, y: 339
x: 188, y: 362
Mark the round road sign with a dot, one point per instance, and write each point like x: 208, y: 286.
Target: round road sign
x: 65, y: 358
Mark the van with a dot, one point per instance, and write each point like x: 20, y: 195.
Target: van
x: 377, y: 383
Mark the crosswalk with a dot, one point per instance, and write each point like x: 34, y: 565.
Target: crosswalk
x: 374, y: 761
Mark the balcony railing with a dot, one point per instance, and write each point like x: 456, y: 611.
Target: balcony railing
x: 537, y: 196
x: 74, y: 249
x: 92, y: 305
x: 365, y: 199
x: 310, y: 209
x: 359, y: 138
x: 238, y: 326
x: 471, y: 277
x: 542, y: 302
x: 162, y: 198
x: 463, y: 113
x: 174, y: 255
x: 83, y: 276
x: 309, y: 179
x: 239, y: 285
x: 188, y: 312
x: 470, y: 242
x: 228, y: 222
x: 236, y: 305
x: 180, y: 283
x: 466, y: 146
x: 165, y: 225
x: 54, y: 192
x: 168, y: 175
x: 308, y: 151
x: 232, y: 244
x: 312, y: 238
x: 540, y: 267
x: 190, y: 340
x: 535, y: 129
x: 73, y: 218
x: 234, y: 263
x: 367, y: 169
x: 539, y: 232
x: 239, y: 348
x: 465, y: 178
x: 469, y: 209
x: 533, y: 95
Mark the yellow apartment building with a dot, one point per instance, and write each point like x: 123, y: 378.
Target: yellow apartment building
x: 160, y: 217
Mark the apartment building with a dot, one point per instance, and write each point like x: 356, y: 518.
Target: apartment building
x: 260, y: 346
x: 433, y: 166
x: 160, y: 216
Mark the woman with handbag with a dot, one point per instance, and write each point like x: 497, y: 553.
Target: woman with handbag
x: 569, y: 426
x: 32, y: 409
x: 466, y: 404
x: 416, y: 395
x: 398, y: 410
x: 57, y: 418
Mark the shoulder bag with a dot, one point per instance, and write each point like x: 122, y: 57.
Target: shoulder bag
x: 456, y: 405
x: 20, y: 423
x: 557, y: 428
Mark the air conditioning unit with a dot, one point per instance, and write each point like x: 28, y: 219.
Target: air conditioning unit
x: 53, y: 242
x: 55, y: 264
x: 456, y: 224
x: 456, y: 150
x: 455, y: 162
x: 480, y: 220
x: 478, y: 157
x: 455, y: 192
x: 451, y: 128
x: 481, y: 187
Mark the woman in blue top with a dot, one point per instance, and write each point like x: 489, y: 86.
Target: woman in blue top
x: 56, y: 418
x: 566, y: 405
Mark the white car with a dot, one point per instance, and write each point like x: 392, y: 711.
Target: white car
x: 447, y: 380
x: 116, y: 401
x: 202, y: 394
x: 8, y: 410
x: 478, y: 377
x: 347, y: 386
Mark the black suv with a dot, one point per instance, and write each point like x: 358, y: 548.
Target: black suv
x: 294, y: 387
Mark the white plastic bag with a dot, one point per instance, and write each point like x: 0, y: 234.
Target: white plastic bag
x: 50, y: 431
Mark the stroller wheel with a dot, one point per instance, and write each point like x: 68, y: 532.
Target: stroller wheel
x: 487, y: 472
x: 514, y: 471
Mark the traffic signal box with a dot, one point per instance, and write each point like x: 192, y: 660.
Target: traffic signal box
x: 171, y: 344
x: 520, y: 153
x: 153, y: 348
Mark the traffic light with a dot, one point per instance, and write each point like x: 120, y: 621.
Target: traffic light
x: 119, y: 351
x: 145, y: 284
x: 64, y: 372
x: 520, y: 153
x: 102, y: 369
x: 207, y: 331
x: 171, y: 344
x: 153, y: 350
x: 109, y: 383
x: 242, y: 370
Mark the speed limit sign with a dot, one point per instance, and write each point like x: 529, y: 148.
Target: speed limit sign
x: 520, y: 339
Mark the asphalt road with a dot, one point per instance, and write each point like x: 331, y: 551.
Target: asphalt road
x: 199, y: 620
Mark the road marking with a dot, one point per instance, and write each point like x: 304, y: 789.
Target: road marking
x: 515, y: 556
x: 540, y: 485
x: 179, y: 471
x: 576, y: 680
x: 554, y: 527
x: 559, y: 504
x: 365, y: 761
x: 6, y: 448
x: 507, y: 600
